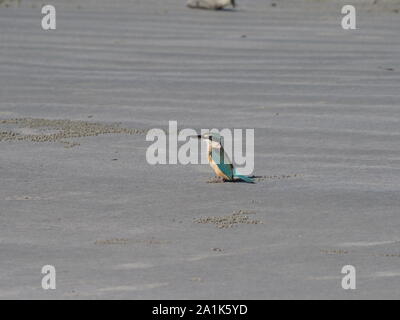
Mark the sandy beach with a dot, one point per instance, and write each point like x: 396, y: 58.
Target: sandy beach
x: 76, y: 190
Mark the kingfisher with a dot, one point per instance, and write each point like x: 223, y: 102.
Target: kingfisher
x: 211, y: 4
x: 219, y: 160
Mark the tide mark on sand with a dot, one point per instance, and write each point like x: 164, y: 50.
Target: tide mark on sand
x: 229, y: 221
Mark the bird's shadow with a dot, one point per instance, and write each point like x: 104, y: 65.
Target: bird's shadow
x: 218, y: 10
x: 227, y: 10
x: 255, y: 178
x: 237, y: 180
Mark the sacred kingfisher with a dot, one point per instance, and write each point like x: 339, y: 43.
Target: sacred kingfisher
x: 218, y: 159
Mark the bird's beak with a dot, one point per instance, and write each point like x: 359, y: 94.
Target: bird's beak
x: 197, y: 137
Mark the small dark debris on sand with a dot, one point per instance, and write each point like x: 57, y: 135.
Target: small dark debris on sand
x: 387, y: 68
x: 391, y: 255
x: 45, y: 130
x: 10, y: 3
x: 229, y: 221
x: 334, y: 251
x: 112, y: 241
x: 216, y: 180
x: 360, y: 253
x: 125, y: 241
x: 276, y: 177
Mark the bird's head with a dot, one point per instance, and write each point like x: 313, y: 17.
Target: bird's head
x: 211, y: 136
x: 213, y: 139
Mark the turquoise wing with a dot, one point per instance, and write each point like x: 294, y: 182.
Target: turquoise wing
x: 244, y: 178
x: 222, y: 161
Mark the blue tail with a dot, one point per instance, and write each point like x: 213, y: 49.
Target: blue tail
x: 244, y: 178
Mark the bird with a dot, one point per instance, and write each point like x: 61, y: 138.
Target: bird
x: 218, y: 159
x: 211, y: 4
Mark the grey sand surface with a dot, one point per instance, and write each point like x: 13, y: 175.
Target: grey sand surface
x: 325, y: 105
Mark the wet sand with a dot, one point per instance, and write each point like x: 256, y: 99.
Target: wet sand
x: 325, y: 105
